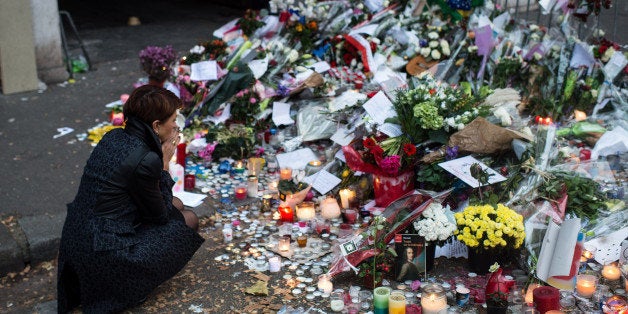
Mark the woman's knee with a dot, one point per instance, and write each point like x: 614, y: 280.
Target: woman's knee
x: 190, y: 219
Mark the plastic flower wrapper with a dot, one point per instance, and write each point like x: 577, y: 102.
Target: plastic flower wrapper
x: 399, y: 215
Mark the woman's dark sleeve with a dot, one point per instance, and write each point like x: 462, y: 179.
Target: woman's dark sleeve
x: 151, y: 190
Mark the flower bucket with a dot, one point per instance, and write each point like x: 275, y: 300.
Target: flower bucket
x: 388, y: 189
x: 480, y: 261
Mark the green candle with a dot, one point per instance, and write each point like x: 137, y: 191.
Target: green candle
x: 380, y: 297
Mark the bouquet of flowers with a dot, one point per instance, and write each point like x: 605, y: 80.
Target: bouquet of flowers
x: 382, y: 262
x: 380, y: 155
x: 250, y: 22
x: 303, y: 31
x: 436, y: 223
x: 157, y: 62
x: 487, y: 228
x: 497, y: 288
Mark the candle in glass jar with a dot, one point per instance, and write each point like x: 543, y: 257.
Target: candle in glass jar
x: 240, y: 192
x: 238, y: 167
x: 324, y: 284
x: 284, y: 244
x: 286, y: 214
x: 611, y: 272
x: 313, y: 167
x: 433, y: 299
x: 586, y: 285
x: 285, y: 174
x: 396, y: 302
x: 380, y: 298
x: 346, y: 197
x: 274, y: 264
x: 351, y: 215
x: 330, y: 208
x: 252, y: 186
x: 529, y: 298
x: 306, y: 211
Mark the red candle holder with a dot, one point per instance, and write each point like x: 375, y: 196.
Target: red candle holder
x: 181, y: 153
x: 286, y: 213
x: 189, y: 182
x: 240, y: 192
x: 546, y: 298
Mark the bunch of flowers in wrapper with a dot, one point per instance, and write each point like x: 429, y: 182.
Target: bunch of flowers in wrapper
x: 210, y: 50
x: 382, y: 262
x: 383, y: 156
x: 434, y: 47
x: 488, y: 228
x: 250, y: 22
x: 157, y: 62
x: 436, y: 223
x: 431, y: 110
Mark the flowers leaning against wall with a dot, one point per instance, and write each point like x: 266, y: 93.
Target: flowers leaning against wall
x: 486, y: 228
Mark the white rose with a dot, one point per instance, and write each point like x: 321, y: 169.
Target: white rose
x: 435, y: 54
x: 444, y: 43
x: 433, y: 44
x: 293, y: 56
x: 197, y: 49
x: 432, y: 35
x: 607, y: 54
x: 353, y: 62
x: 460, y: 126
x: 360, y: 6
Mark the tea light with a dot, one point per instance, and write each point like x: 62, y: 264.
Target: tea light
x: 285, y: 174
x: 433, y: 299
x: 380, y: 298
x: 238, y: 167
x: 611, y: 272
x: 306, y: 211
x: 286, y: 214
x: 330, y: 208
x: 546, y: 298
x: 397, y: 302
x: 529, y: 298
x: 351, y: 215
x: 274, y: 264
x: 616, y: 304
x: 284, y: 244
x: 240, y: 192
x: 324, y: 284
x: 346, y: 197
x: 273, y: 186
x: 586, y: 285
x: 252, y: 186
x: 313, y: 167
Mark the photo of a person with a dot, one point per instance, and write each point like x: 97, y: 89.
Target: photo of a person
x: 411, y: 267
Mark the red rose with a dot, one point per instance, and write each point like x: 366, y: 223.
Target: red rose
x: 409, y: 149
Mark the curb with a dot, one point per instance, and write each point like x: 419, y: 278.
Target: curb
x: 35, y: 239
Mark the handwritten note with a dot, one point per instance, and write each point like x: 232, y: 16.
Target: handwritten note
x: 258, y: 67
x: 322, y: 181
x: 390, y: 129
x: 297, y: 159
x: 461, y: 168
x: 281, y: 113
x: 342, y: 136
x: 379, y: 107
x: 204, y: 71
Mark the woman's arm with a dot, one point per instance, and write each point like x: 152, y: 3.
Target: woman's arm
x: 151, y: 197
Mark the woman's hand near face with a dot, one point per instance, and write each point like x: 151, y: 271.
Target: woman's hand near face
x: 168, y: 148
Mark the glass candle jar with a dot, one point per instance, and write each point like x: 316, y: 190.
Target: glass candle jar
x: 433, y: 298
x: 397, y: 302
x: 252, y: 186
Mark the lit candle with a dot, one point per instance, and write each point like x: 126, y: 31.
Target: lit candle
x: 433, y: 299
x: 238, y: 167
x: 346, y: 197
x: 313, y: 167
x: 555, y: 312
x: 586, y: 285
x: 285, y: 173
x: 351, y: 215
x: 611, y: 272
x: 330, y: 208
x: 306, y: 211
x: 286, y: 214
x: 380, y: 299
x: 255, y: 165
x: 324, y: 284
x: 252, y: 186
x: 240, y: 192
x: 617, y: 304
x: 284, y: 244
x: 397, y: 302
x: 529, y: 298
x: 579, y: 115
x: 272, y: 185
x: 546, y: 298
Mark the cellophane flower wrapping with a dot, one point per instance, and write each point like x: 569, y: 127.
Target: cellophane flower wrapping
x: 399, y: 215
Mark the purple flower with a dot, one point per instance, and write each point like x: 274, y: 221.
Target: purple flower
x: 391, y: 164
x: 283, y: 91
x: 452, y: 152
x: 206, y: 153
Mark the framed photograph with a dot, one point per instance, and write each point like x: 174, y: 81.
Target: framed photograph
x: 410, y: 263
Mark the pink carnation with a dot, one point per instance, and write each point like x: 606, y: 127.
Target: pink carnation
x: 252, y: 100
x: 391, y: 164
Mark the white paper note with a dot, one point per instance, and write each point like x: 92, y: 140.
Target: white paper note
x: 297, y: 159
x: 461, y: 169
x: 390, y: 129
x: 322, y: 181
x: 342, y: 136
x: 321, y: 66
x: 281, y: 113
x: 379, y: 107
x: 190, y: 199
x: 204, y: 71
x: 258, y: 67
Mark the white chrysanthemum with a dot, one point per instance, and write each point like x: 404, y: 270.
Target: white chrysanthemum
x: 432, y: 35
x: 433, y: 44
x: 444, y: 44
x: 446, y: 51
x: 435, y: 54
x: 360, y: 6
